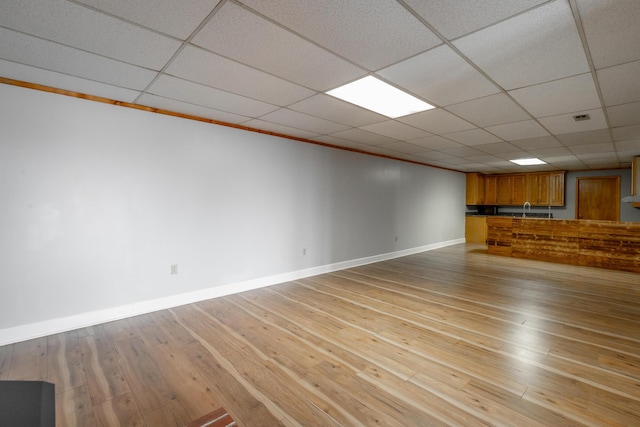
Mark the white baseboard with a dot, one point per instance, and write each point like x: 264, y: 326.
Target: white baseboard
x: 81, y: 320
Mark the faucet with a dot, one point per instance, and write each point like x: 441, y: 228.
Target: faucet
x: 524, y: 206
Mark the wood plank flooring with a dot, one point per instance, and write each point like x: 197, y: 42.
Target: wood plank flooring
x: 447, y: 337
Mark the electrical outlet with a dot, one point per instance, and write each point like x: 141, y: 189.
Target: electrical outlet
x: 396, y: 238
x: 304, y: 251
x: 174, y: 269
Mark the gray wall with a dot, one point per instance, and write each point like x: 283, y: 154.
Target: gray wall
x: 99, y: 201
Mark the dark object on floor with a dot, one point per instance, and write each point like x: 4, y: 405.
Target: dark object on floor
x: 27, y: 404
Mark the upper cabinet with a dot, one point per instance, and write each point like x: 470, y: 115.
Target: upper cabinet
x: 635, y: 180
x: 512, y: 189
x: 539, y: 189
x: 556, y: 189
x: 475, y: 189
x: 491, y: 190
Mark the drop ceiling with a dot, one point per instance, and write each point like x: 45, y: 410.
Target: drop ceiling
x: 506, y: 76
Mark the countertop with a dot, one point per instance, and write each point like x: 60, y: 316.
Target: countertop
x: 539, y: 215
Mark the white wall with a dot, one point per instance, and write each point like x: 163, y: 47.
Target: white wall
x: 98, y: 201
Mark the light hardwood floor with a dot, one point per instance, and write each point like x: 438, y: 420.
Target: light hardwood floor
x: 446, y: 337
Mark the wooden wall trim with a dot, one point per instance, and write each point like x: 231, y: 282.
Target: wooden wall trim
x: 44, y: 88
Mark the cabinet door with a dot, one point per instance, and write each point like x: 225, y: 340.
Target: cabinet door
x: 519, y: 190
x: 538, y: 189
x: 475, y: 189
x: 635, y: 176
x: 505, y: 190
x: 556, y: 189
x: 491, y: 190
x: 476, y: 229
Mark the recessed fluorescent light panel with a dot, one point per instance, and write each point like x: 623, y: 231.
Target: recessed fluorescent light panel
x: 528, y: 162
x: 378, y: 96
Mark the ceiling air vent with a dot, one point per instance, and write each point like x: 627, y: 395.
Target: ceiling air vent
x: 581, y: 117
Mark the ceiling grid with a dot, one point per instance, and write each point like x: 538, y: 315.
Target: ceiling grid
x: 506, y: 77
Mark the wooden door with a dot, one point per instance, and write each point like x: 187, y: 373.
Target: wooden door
x: 598, y: 197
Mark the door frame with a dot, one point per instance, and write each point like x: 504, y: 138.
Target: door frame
x: 585, y: 178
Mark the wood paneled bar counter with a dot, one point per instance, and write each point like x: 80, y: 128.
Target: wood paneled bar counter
x: 606, y: 244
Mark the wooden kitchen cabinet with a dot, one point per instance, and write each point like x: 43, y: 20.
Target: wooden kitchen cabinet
x: 556, y: 189
x: 475, y: 189
x: 512, y: 189
x: 491, y: 190
x: 475, y: 230
x: 538, y: 189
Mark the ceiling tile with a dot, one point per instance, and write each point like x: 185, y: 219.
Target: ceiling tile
x: 611, y: 28
x: 598, y: 158
x: 178, y: 19
x: 396, y: 130
x: 547, y: 153
x: 191, y: 109
x: 472, y: 137
x: 626, y: 133
x: 538, y: 46
x: 440, y: 76
x: 193, y: 93
x: 363, y: 137
x: 299, y: 120
x: 564, y: 123
x: 629, y: 146
x: 567, y: 163
x: 330, y: 139
x: 469, y: 15
x: 515, y: 154
x: 491, y: 110
x: 209, y: 69
x: 273, y: 49
x: 592, y: 148
x: 336, y: 110
x: 463, y: 151
x: 497, y: 147
x: 624, y: 115
x: 485, y: 158
x: 27, y: 73
x: 391, y: 32
x: 436, y: 121
x: 40, y: 53
x: 435, y: 155
x: 537, y: 143
x: 402, y: 147
x: 589, y: 137
x: 455, y: 161
x: 435, y: 142
x: 518, y: 130
x: 52, y: 19
x: 620, y: 84
x: 280, y: 128
x: 573, y: 94
x: 384, y: 151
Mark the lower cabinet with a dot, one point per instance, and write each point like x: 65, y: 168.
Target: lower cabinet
x: 475, y: 230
